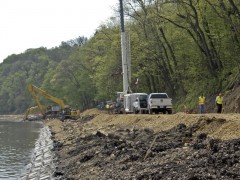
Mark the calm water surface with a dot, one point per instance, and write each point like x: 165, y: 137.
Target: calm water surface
x: 17, y: 141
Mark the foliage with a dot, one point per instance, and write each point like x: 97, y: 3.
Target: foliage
x: 182, y: 47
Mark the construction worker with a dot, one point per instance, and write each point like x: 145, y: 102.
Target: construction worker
x: 112, y: 108
x: 219, y: 100
x: 62, y: 113
x: 201, y: 101
x: 108, y: 108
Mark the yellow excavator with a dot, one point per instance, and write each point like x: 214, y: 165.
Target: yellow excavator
x: 30, y: 111
x: 62, y: 111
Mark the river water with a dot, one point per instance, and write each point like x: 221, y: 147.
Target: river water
x: 17, y: 142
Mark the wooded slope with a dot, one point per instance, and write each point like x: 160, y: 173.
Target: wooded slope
x: 183, y: 47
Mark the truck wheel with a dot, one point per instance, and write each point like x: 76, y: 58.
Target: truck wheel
x: 164, y: 112
x: 150, y: 111
x: 135, y: 111
x: 169, y: 111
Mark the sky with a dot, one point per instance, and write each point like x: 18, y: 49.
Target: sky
x: 26, y: 24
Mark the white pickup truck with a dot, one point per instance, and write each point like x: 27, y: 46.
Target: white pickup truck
x: 159, y: 102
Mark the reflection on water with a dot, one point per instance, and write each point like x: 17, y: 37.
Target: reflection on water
x: 17, y: 140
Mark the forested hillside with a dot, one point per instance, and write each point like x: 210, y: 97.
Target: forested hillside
x: 182, y: 47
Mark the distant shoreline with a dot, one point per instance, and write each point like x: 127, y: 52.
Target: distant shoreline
x: 16, y: 118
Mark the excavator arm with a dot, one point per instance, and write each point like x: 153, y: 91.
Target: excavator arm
x: 34, y: 90
x: 67, y: 111
x: 33, y: 93
x: 32, y: 109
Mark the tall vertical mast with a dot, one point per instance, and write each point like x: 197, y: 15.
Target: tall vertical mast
x: 124, y: 52
x: 129, y: 58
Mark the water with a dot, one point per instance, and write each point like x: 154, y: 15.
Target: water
x: 17, y: 141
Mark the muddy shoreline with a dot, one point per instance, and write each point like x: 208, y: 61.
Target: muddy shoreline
x: 180, y: 146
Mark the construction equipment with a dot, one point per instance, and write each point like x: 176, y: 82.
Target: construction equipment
x: 62, y: 111
x: 29, y: 112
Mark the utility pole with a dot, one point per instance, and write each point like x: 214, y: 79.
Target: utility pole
x: 126, y: 87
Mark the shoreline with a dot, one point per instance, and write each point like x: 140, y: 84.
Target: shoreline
x: 19, y: 118
x: 15, y: 118
x: 42, y: 164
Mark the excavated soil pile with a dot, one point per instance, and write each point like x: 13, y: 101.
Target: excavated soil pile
x: 102, y: 146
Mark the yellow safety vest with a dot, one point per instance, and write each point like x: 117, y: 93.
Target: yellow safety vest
x: 219, y: 100
x: 201, y: 100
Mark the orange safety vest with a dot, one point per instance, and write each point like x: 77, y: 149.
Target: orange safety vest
x: 201, y: 100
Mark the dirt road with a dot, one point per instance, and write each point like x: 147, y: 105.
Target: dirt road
x: 178, y: 146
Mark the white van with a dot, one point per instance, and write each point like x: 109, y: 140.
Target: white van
x: 136, y: 103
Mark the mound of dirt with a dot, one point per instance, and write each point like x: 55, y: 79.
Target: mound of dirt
x: 178, y: 146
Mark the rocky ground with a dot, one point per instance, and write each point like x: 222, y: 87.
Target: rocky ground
x: 178, y: 146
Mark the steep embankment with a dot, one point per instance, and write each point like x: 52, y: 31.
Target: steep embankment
x: 103, y: 146
x: 231, y: 101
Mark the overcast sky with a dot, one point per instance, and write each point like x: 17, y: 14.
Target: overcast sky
x: 28, y: 24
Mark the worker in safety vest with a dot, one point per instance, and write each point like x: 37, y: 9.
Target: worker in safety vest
x: 219, y: 100
x: 201, y: 100
x: 108, y: 108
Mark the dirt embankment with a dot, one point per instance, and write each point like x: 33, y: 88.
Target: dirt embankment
x: 178, y: 146
x: 231, y: 101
